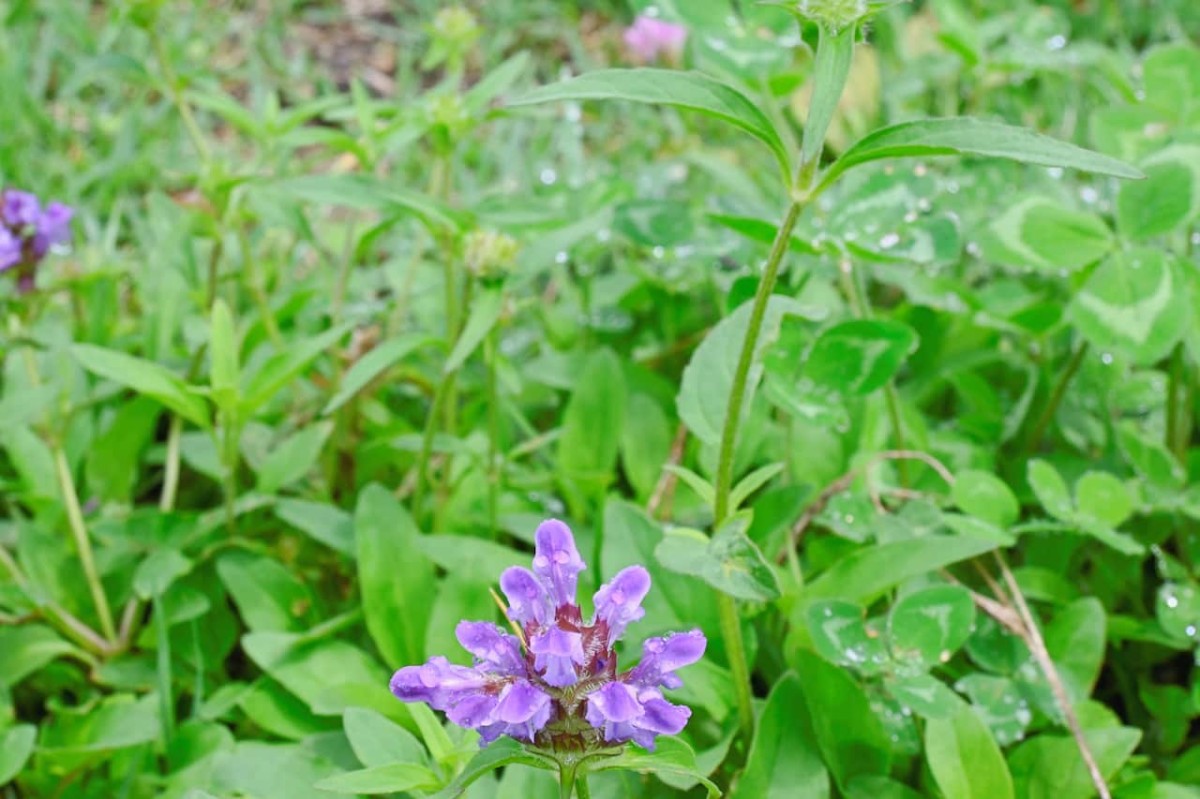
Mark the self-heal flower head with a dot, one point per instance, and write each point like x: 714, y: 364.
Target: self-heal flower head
x: 555, y: 684
x: 649, y: 37
x: 28, y: 231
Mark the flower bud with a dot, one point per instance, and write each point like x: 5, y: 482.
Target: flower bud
x: 489, y: 253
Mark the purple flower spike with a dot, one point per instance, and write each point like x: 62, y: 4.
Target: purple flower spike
x: 528, y: 601
x: 619, y: 602
x: 556, y: 561
x: 555, y: 684
x: 556, y: 653
x: 10, y: 249
x: 20, y: 209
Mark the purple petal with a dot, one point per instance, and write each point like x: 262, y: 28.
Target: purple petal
x: 438, y: 683
x: 527, y: 598
x: 613, y: 703
x: 492, y: 646
x: 20, y: 208
x: 661, y: 657
x: 556, y: 561
x: 473, y: 710
x: 619, y: 601
x: 523, y: 709
x: 10, y: 249
x: 53, y: 227
x: 663, y: 718
x: 556, y: 652
x: 520, y: 702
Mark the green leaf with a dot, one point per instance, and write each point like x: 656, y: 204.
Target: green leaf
x: 1050, y: 489
x: 835, y: 50
x: 967, y: 136
x: 924, y: 694
x: 322, y: 522
x: 1050, y: 767
x: 485, y: 311
x: 860, y: 356
x: 865, y: 575
x: 783, y: 761
x: 396, y: 581
x: 703, y: 488
x: 1167, y: 199
x: 708, y: 379
x: 364, y: 193
x: 839, y: 634
x: 985, y: 496
x: 223, y: 355
x: 505, y: 752
x: 372, y: 365
x: 1104, y: 498
x: 293, y: 458
x: 729, y: 561
x: 392, y: 778
x: 26, y: 649
x: 378, y: 741
x: 645, y: 443
x: 847, y: 731
x: 591, y: 429
x: 965, y: 761
x: 689, y: 90
x: 16, y: 746
x: 1041, y: 234
x: 328, y: 675
x: 267, y: 595
x: 1134, y: 304
x: 144, y: 377
x: 159, y: 571
x: 930, y: 624
x: 670, y: 756
x: 875, y: 787
x: 1076, y: 640
x: 751, y: 483
x: 280, y: 369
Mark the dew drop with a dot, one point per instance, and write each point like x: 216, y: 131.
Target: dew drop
x: 889, y: 240
x: 1056, y: 42
x: 1106, y: 358
x: 658, y: 252
x: 1055, y: 172
x: 548, y: 176
x: 560, y: 257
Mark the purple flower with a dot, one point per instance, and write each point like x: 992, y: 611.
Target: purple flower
x: 27, y: 232
x: 650, y: 37
x: 555, y: 684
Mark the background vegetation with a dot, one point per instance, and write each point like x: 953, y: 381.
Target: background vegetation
x: 342, y: 322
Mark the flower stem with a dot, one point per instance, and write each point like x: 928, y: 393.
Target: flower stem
x: 82, y: 544
x: 735, y: 648
x: 737, y: 394
x: 566, y: 779
x: 494, y: 471
x: 582, y: 791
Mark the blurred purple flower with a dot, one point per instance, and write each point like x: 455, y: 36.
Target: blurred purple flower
x: 555, y: 684
x: 649, y: 37
x: 27, y: 232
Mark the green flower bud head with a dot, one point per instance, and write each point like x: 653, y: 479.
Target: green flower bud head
x: 454, y: 31
x: 489, y: 253
x: 838, y: 14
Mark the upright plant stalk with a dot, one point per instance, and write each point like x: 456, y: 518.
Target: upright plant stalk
x: 83, y: 544
x: 1060, y: 390
x: 493, y: 419
x: 830, y: 69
